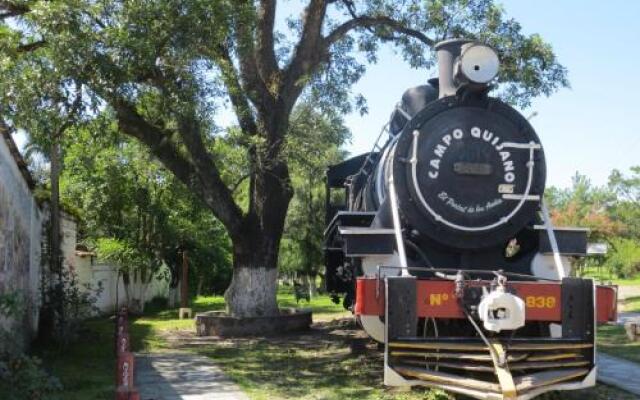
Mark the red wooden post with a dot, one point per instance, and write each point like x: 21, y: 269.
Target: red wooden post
x: 123, y: 343
x: 123, y: 393
x: 125, y: 360
x: 125, y: 370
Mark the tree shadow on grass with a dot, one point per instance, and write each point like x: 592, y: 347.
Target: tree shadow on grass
x: 315, y: 364
x: 86, y: 366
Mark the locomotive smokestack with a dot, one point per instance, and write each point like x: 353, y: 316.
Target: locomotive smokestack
x: 462, y: 61
x: 448, y: 51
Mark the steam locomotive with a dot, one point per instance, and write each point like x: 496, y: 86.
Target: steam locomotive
x: 440, y: 242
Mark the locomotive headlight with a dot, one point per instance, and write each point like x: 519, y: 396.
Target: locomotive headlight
x: 479, y: 63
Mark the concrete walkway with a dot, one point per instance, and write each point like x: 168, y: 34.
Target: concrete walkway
x: 182, y: 376
x: 628, y: 316
x: 619, y: 373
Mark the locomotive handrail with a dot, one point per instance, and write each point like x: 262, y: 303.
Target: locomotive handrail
x: 552, y: 239
x: 395, y: 214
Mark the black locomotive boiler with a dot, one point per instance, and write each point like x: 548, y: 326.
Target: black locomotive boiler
x: 440, y: 243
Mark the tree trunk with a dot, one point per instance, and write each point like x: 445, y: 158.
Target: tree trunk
x: 200, y: 285
x: 254, y: 284
x: 126, y: 284
x: 313, y: 289
x: 252, y: 292
x: 56, y: 252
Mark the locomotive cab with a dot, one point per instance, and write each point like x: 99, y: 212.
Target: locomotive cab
x: 440, y: 243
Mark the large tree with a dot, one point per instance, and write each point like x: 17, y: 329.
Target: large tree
x: 164, y: 66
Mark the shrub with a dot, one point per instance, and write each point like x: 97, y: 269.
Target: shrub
x: 624, y: 260
x: 21, y: 376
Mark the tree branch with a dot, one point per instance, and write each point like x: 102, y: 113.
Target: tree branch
x: 218, y: 195
x: 374, y: 22
x: 256, y: 88
x: 205, y: 182
x: 234, y: 88
x: 265, y: 52
x: 12, y: 10
x: 25, y: 48
x: 308, y: 52
x: 237, y: 184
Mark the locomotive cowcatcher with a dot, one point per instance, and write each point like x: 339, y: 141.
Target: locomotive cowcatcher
x: 440, y: 242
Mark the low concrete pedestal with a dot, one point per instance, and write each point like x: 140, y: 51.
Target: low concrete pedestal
x: 218, y: 323
x: 633, y: 330
x: 185, y: 313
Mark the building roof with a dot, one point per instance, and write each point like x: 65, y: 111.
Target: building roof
x: 5, y: 130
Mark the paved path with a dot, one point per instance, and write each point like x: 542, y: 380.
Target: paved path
x: 628, y: 316
x: 182, y: 376
x: 626, y: 291
x: 620, y: 373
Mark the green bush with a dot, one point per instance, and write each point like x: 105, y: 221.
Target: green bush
x: 21, y: 376
x: 624, y: 257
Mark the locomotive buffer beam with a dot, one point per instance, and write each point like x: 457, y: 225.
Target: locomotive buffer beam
x: 524, y: 367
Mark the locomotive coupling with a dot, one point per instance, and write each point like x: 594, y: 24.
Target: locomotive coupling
x: 500, y: 310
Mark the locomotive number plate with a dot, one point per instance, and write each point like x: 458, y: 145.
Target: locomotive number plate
x: 540, y: 301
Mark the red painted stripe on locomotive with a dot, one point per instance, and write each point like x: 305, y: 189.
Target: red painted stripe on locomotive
x: 436, y: 299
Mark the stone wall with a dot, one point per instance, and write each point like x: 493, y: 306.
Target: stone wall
x: 20, y: 239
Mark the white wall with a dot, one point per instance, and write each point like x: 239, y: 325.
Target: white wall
x: 113, y: 291
x: 20, y: 239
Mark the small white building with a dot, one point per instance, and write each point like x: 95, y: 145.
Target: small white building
x: 112, y: 293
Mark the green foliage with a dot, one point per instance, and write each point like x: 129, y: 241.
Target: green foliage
x: 159, y: 71
x: 314, y: 143
x: 611, y: 212
x: 121, y: 253
x: 135, y: 213
x: 627, y: 209
x: 21, y: 376
x: 68, y: 303
x: 624, y: 259
x: 529, y: 67
x: 585, y: 205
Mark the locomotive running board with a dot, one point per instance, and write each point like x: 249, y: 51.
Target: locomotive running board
x: 540, y: 364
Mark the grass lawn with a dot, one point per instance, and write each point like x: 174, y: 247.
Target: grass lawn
x: 613, y: 340
x: 601, y: 275
x: 631, y: 304
x: 87, y: 367
x: 314, y: 365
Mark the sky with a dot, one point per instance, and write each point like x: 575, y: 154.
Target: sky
x: 593, y: 127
